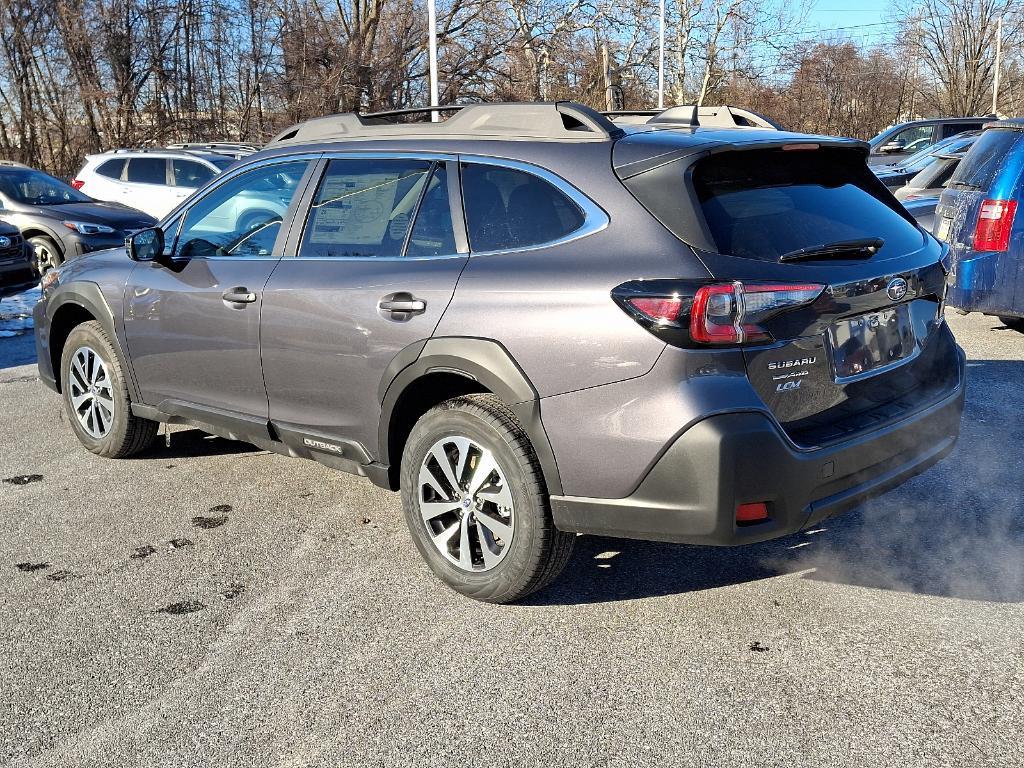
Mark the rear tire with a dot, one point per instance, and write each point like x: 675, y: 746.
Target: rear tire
x: 96, y: 397
x: 1016, y: 323
x: 492, y: 537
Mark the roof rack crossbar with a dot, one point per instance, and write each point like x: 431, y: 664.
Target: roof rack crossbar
x: 552, y: 121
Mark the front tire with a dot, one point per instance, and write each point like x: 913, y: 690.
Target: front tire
x: 47, y: 253
x: 476, y: 503
x: 96, y: 396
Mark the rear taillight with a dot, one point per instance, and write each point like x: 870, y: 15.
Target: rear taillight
x: 995, y: 220
x: 77, y: 183
x: 732, y: 313
x: 717, y: 314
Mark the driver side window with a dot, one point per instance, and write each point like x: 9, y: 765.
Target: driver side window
x: 242, y: 217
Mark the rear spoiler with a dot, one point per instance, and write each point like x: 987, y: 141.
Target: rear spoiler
x: 695, y: 116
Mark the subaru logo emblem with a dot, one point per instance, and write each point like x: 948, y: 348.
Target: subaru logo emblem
x: 896, y: 289
x: 5, y: 242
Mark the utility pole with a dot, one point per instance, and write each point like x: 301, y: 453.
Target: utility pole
x: 432, y: 55
x: 999, y: 54
x: 661, y: 55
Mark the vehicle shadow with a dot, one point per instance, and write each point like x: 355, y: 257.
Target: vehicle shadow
x: 955, y: 531
x: 193, y: 443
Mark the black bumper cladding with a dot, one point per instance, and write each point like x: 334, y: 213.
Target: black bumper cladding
x: 691, y: 493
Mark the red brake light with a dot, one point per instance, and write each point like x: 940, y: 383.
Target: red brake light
x: 731, y: 313
x: 995, y: 220
x: 77, y: 183
x: 660, y: 309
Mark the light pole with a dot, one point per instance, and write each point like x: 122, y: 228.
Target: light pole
x: 432, y: 55
x: 661, y: 55
x: 999, y: 53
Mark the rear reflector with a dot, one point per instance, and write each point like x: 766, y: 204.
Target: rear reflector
x: 995, y: 220
x: 77, y: 183
x: 752, y: 513
x: 660, y: 309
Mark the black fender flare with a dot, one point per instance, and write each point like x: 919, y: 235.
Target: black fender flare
x: 88, y: 296
x: 482, y: 360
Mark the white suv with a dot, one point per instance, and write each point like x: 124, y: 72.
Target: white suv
x: 152, y: 180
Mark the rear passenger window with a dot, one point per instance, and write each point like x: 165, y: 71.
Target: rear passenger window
x: 363, y: 208
x: 147, y: 170
x: 112, y: 169
x: 508, y: 209
x: 188, y: 173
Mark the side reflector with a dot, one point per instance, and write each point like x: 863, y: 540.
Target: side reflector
x: 752, y: 513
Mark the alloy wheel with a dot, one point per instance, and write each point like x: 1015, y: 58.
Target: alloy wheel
x: 466, y: 503
x: 91, y: 392
x: 46, y: 259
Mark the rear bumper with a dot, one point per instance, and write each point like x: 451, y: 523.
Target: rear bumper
x: 691, y: 493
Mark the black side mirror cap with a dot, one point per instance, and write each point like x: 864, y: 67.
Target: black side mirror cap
x: 146, y: 245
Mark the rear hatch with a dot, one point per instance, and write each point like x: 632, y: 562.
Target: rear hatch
x: 836, y: 293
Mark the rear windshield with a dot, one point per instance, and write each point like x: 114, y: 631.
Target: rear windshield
x: 763, y: 203
x: 979, y: 167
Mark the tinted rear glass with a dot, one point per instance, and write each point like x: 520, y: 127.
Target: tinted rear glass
x: 979, y: 167
x: 761, y: 204
x: 508, y: 209
x: 147, y: 170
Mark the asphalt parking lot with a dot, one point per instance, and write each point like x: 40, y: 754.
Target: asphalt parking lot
x: 212, y: 604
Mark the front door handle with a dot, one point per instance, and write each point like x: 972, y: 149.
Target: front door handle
x: 401, y: 305
x: 238, y: 295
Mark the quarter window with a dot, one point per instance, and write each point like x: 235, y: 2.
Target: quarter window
x: 243, y: 216
x: 147, y: 170
x: 363, y: 208
x: 112, y: 169
x: 508, y: 209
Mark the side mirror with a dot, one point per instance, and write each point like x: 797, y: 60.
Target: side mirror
x: 892, y: 146
x: 146, y: 245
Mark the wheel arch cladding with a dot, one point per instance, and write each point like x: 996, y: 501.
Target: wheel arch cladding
x: 448, y: 367
x: 73, y: 305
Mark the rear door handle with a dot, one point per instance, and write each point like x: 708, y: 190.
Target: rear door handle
x: 402, y: 305
x: 238, y: 295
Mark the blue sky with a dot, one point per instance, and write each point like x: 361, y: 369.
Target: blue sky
x: 853, y: 16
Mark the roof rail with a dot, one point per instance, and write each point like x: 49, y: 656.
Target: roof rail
x: 549, y: 121
x: 695, y: 116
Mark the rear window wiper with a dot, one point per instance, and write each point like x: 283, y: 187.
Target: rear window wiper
x: 964, y: 185
x: 867, y: 246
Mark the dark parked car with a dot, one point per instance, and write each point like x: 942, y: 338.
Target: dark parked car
x: 900, y: 141
x: 533, y: 323
x: 59, y: 221
x: 977, y: 216
x: 903, y: 173
x: 17, y: 267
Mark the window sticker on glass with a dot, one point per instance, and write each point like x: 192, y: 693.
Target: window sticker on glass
x: 354, y: 208
x: 364, y: 207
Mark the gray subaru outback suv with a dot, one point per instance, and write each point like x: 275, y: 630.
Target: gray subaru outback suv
x: 533, y: 323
